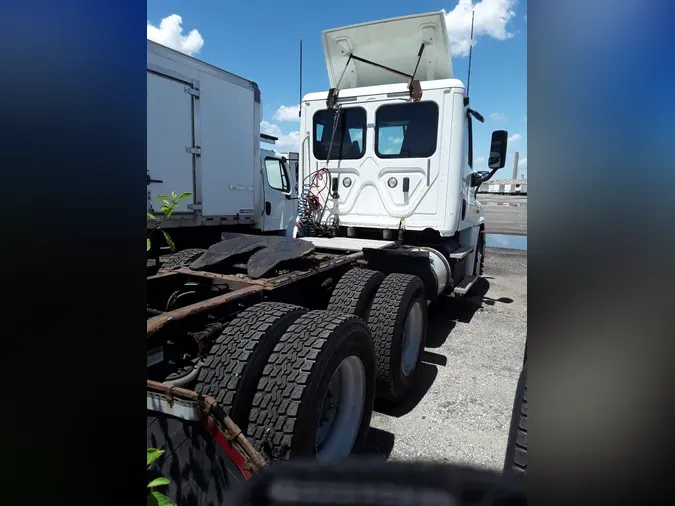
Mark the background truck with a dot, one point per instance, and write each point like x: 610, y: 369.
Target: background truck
x: 293, y: 338
x: 204, y: 138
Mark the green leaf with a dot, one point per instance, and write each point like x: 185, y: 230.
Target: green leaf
x: 174, y: 195
x: 147, y: 243
x: 153, y: 453
x: 183, y: 196
x: 169, y: 241
x: 166, y: 202
x: 163, y: 197
x: 151, y: 217
x: 157, y: 499
x: 157, y: 482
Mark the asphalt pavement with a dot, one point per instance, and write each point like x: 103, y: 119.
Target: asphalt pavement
x: 461, y: 409
x: 504, y: 214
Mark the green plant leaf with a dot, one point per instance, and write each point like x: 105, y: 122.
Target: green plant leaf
x: 157, y: 482
x: 174, y: 195
x: 157, y: 499
x: 166, y: 202
x: 151, y: 217
x: 183, y: 196
x: 169, y: 241
x: 163, y: 197
x: 147, y: 243
x: 153, y: 453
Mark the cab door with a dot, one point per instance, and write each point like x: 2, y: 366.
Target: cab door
x: 279, y: 205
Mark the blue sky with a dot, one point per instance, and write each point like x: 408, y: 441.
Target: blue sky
x: 260, y: 41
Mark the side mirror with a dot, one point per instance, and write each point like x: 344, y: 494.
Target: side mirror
x: 497, y: 158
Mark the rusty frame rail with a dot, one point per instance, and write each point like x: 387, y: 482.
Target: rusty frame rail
x: 269, y: 283
x: 255, y: 287
x: 253, y: 460
x: 158, y: 322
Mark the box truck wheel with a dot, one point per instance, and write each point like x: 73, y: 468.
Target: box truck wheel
x: 183, y: 258
x: 315, y: 397
x: 398, y: 321
x: 516, y: 448
x: 235, y: 363
x: 355, y: 291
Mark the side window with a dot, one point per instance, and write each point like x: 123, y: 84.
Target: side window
x: 277, y: 177
x: 407, y: 130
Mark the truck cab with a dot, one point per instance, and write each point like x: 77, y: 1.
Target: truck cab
x: 390, y: 145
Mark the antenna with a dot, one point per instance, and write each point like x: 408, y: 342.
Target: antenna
x: 300, y: 101
x: 468, y: 78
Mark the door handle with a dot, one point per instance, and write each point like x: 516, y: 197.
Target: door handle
x: 268, y: 208
x: 150, y: 180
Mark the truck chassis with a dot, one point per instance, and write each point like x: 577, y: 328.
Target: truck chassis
x: 267, y: 354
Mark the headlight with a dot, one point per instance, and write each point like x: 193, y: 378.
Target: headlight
x: 392, y: 182
x: 347, y: 182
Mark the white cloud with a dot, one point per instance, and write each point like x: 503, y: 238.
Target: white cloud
x: 288, y: 113
x: 480, y: 159
x: 395, y: 140
x: 515, y: 137
x: 170, y: 33
x: 491, y: 19
x: 522, y: 162
x: 289, y: 142
x: 498, y: 116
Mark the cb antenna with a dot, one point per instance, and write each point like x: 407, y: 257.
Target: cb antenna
x: 468, y: 78
x: 300, y: 101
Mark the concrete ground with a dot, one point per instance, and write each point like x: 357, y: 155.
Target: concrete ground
x: 461, y: 410
x: 504, y: 214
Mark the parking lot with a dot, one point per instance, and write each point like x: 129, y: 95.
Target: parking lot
x: 504, y: 214
x: 462, y: 409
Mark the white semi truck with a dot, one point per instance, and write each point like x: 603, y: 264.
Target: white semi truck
x: 293, y: 338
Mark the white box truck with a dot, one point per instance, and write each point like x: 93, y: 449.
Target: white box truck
x: 294, y: 337
x: 204, y: 137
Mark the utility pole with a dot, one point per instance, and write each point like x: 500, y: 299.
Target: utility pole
x: 515, y: 165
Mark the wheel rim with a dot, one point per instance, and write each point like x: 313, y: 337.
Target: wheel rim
x: 341, y: 411
x: 412, y: 338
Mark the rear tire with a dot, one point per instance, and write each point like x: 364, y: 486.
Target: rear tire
x: 183, y: 258
x: 479, y: 261
x: 287, y: 408
x: 516, y: 448
x: 233, y: 367
x: 400, y: 304
x: 355, y: 291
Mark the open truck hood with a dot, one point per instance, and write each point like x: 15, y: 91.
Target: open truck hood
x: 394, y: 43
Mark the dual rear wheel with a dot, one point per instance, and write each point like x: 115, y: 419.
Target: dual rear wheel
x: 395, y: 309
x: 302, y: 383
x: 298, y: 383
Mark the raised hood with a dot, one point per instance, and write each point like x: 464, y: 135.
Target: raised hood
x: 394, y: 43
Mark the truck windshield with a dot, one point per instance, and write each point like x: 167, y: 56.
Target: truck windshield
x: 350, y: 135
x: 407, y: 130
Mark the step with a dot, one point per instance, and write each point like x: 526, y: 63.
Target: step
x: 465, y: 285
x: 461, y: 253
